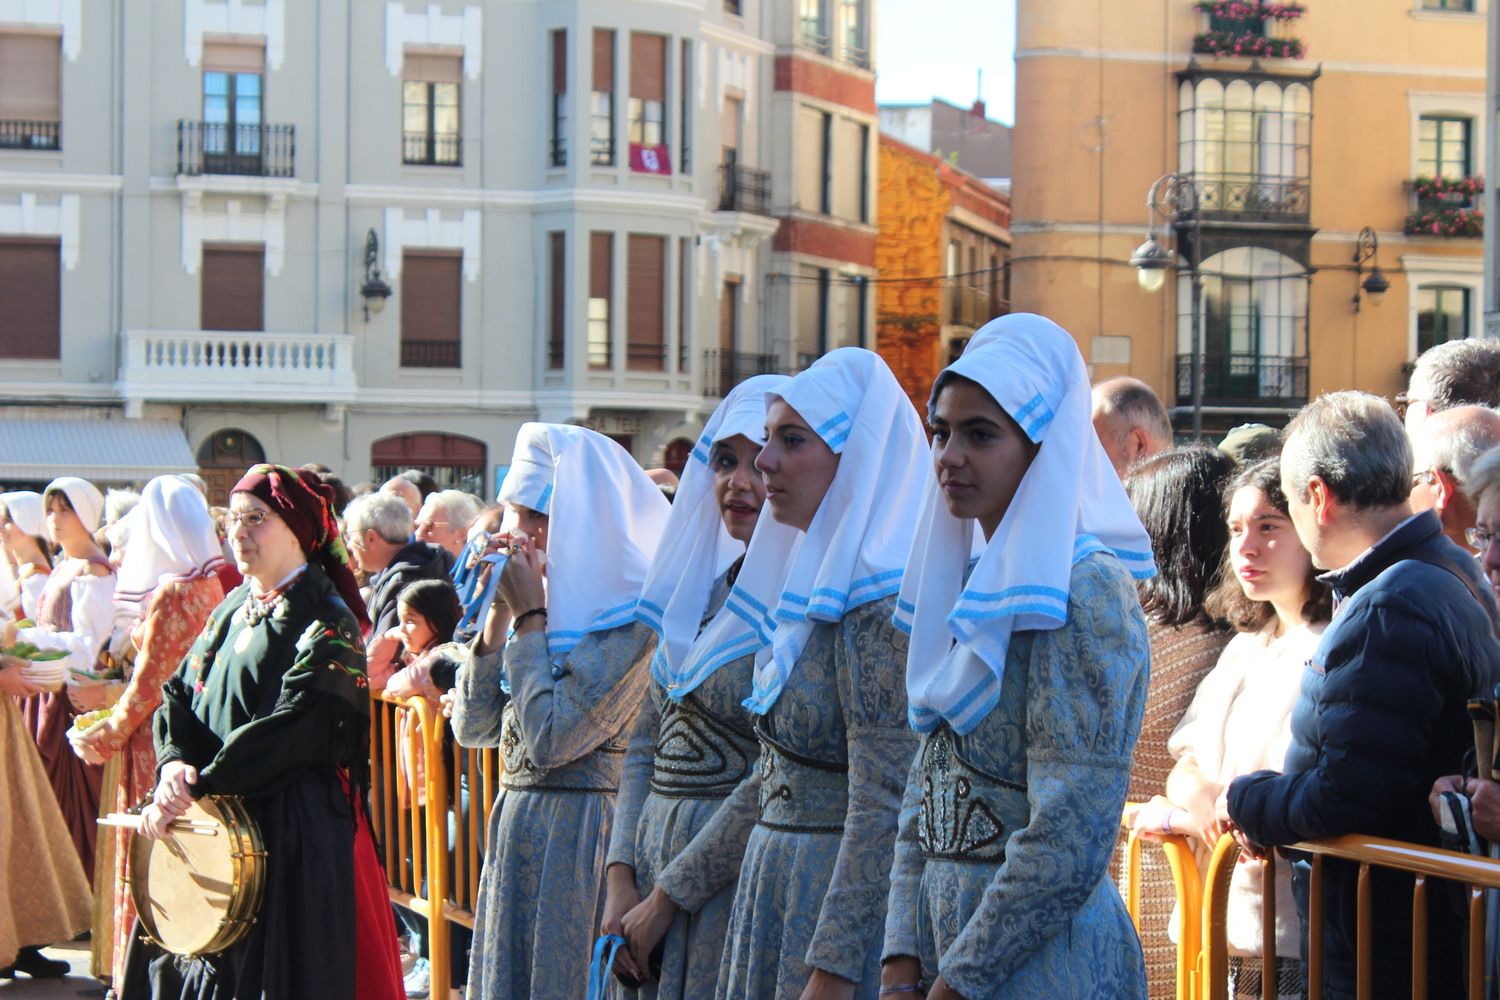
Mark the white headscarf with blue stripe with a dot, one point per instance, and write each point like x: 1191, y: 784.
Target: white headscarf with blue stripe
x: 1070, y: 503
x: 605, y: 519
x: 855, y: 549
x: 697, y: 549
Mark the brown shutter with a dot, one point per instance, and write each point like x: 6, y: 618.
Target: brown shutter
x: 645, y: 330
x: 232, y: 284
x: 648, y: 66
x: 734, y: 116
x: 557, y: 299
x: 431, y: 302
x: 428, y: 67
x: 682, y: 303
x: 30, y: 299
x: 729, y: 315
x: 30, y: 77
x: 234, y: 57
x: 604, y: 61
x: 560, y: 62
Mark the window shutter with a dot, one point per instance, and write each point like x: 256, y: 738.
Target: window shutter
x: 30, y: 299
x: 30, y: 77
x: 234, y: 57
x: 431, y: 303
x: 648, y: 67
x: 604, y: 61
x: 428, y: 67
x: 646, y: 273
x: 560, y: 62
x: 557, y: 299
x: 232, y: 283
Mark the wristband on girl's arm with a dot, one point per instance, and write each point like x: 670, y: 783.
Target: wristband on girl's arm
x: 521, y: 618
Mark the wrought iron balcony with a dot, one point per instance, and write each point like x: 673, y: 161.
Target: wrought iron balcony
x: 22, y: 134
x: 441, y: 149
x: 723, y: 370
x: 1245, y: 380
x: 1255, y: 198
x: 744, y: 189
x: 430, y: 353
x: 245, y: 150
x: 971, y: 306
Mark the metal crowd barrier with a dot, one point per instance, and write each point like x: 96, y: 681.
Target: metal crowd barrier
x: 1203, y: 950
x: 431, y: 833
x: 1187, y: 887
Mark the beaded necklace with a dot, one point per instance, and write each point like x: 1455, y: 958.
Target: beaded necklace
x: 258, y: 607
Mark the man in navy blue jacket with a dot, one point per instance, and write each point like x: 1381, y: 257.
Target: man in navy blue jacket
x: 1382, y: 712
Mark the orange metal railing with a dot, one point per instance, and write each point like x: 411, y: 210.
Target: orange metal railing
x: 1187, y: 887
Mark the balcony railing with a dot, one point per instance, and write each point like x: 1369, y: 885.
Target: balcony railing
x: 1254, y: 197
x: 1245, y: 380
x: 22, y: 134
x: 430, y: 353
x: 244, y: 150
x: 444, y: 149
x: 723, y: 370
x: 218, y: 365
x: 857, y: 55
x: 744, y: 189
x: 646, y: 357
x: 970, y: 306
x: 814, y: 38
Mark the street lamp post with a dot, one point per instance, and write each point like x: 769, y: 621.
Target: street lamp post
x: 1174, y: 198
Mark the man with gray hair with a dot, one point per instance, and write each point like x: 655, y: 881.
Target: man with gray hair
x: 1445, y: 447
x: 1383, y: 706
x: 1131, y: 422
x: 377, y: 527
x: 445, y: 518
x: 1456, y: 373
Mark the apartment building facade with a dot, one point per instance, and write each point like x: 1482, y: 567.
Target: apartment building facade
x: 381, y: 235
x: 1316, y: 142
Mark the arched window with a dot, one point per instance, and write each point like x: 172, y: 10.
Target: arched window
x: 456, y: 462
x: 1254, y: 315
x: 1247, y: 145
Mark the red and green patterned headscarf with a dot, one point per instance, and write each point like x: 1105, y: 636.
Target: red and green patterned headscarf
x: 305, y: 503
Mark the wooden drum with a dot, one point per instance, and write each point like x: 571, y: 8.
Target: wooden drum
x: 199, y: 890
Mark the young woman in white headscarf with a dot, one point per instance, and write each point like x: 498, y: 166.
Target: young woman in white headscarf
x: 28, y: 554
x: 558, y: 697
x: 75, y: 614
x: 168, y: 585
x: 671, y: 872
x: 843, y: 466
x: 1027, y: 674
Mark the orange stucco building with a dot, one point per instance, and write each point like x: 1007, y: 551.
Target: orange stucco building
x: 942, y: 261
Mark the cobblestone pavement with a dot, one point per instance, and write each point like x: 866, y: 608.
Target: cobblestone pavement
x: 78, y: 982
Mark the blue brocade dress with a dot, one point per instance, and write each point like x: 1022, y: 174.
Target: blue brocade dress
x: 835, y: 749
x: 562, y: 736
x: 1001, y: 874
x: 679, y: 820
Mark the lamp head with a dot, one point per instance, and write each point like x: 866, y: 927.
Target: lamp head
x: 1151, y: 260
x: 1376, y: 286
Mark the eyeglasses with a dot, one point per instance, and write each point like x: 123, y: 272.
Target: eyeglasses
x: 1425, y: 476
x: 249, y: 518
x: 1480, y: 539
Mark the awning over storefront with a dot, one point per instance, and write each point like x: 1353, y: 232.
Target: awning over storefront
x: 105, y: 450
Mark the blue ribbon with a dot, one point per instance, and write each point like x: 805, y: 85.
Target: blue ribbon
x: 605, y: 950
x: 476, y: 605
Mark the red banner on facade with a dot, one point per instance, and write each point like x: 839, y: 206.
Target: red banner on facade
x: 646, y: 159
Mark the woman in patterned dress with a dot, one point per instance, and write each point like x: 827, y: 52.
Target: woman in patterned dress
x: 1027, y: 676
x: 694, y: 743
x: 168, y: 577
x: 842, y: 464
x: 558, y: 697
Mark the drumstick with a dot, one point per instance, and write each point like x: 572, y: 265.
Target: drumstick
x: 130, y: 821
